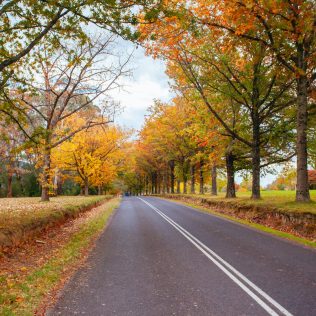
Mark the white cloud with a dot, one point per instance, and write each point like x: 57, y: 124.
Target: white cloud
x: 148, y: 82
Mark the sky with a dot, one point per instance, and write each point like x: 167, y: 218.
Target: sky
x: 147, y: 83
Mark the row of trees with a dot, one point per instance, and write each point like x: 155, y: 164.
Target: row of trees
x: 58, y: 122
x: 55, y: 78
x: 179, y: 147
x: 244, y: 71
x: 89, y: 160
x: 249, y: 68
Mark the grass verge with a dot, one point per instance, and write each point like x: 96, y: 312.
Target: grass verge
x: 22, y: 219
x: 263, y: 228
x: 282, y: 200
x: 23, y: 294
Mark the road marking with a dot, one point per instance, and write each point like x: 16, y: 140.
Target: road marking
x: 225, y: 267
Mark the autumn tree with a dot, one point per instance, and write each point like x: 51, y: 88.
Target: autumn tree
x: 25, y: 24
x: 286, y: 32
x: 91, y: 156
x: 232, y: 78
x: 166, y: 133
x: 71, y: 81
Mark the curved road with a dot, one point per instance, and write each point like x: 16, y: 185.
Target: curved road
x: 162, y: 258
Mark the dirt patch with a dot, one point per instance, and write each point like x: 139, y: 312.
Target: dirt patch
x: 299, y: 224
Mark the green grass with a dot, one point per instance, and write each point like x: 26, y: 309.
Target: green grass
x: 284, y: 200
x: 22, y: 295
x: 266, y: 229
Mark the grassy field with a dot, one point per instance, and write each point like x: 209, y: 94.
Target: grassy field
x: 284, y: 200
x: 23, y: 292
x: 17, y: 211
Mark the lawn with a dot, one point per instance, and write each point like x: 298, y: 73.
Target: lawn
x: 280, y: 199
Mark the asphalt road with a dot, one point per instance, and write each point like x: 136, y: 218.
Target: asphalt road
x: 162, y: 258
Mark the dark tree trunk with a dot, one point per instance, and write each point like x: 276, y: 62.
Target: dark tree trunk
x: 255, y: 173
x: 156, y: 183
x: 201, y: 177
x: 192, y: 173
x: 255, y: 158
x: 178, y: 186
x: 302, y: 187
x: 46, y: 174
x: 146, y: 185
x: 185, y: 179
x: 167, y: 182
x: 152, y: 183
x: 59, y: 186
x: 86, y: 187
x: 10, y: 177
x: 172, y: 175
x: 230, y: 170
x: 214, y: 180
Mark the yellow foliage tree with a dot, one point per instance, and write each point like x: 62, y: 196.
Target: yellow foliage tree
x: 92, y: 157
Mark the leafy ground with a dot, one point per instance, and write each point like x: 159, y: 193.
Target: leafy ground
x: 284, y: 200
x: 15, y: 211
x: 29, y: 280
x: 23, y: 219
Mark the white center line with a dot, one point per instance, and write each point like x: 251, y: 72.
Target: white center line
x: 225, y: 267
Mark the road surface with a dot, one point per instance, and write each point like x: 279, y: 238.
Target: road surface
x: 162, y: 258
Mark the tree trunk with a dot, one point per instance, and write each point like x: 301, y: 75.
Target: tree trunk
x: 86, y: 187
x: 201, y: 177
x: 172, y: 176
x: 192, y: 173
x: 178, y: 186
x: 46, y: 173
x: 255, y: 173
x: 59, y: 186
x: 302, y: 187
x: 214, y: 180
x: 10, y: 177
x: 255, y: 190
x: 147, y: 186
x: 230, y: 170
x: 185, y: 180
x: 156, y: 183
x: 99, y: 190
x: 152, y: 183
x: 185, y: 186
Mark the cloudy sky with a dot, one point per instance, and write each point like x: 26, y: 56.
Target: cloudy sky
x: 147, y: 83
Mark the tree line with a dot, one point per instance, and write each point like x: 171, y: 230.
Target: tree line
x: 244, y: 72
x: 247, y: 71
x: 55, y: 83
